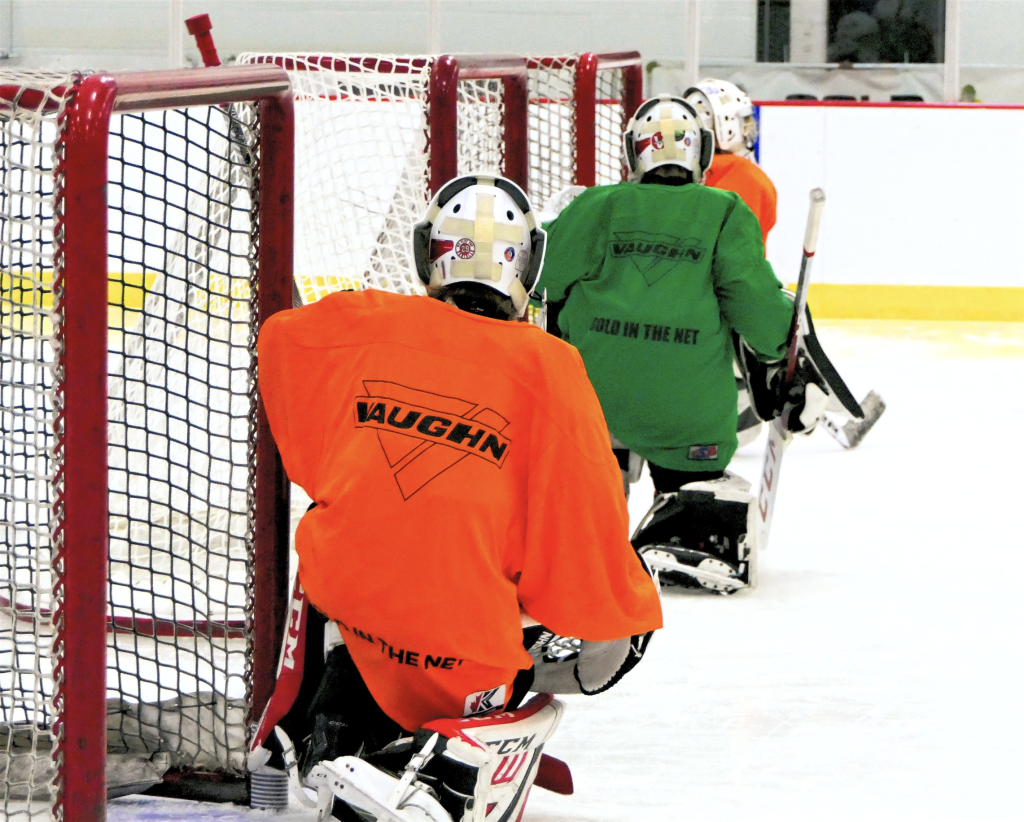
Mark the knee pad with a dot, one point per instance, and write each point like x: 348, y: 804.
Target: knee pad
x: 488, y: 764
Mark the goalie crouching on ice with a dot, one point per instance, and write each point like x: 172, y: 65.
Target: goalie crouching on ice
x: 651, y: 279
x: 464, y: 496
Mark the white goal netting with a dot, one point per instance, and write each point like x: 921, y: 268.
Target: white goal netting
x: 555, y: 135
x: 362, y: 162
x: 181, y: 420
x: 363, y: 153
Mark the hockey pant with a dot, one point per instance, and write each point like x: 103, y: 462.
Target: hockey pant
x: 666, y: 480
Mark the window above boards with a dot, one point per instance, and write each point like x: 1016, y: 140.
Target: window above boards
x: 850, y: 31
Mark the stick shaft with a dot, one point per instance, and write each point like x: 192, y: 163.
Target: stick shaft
x: 778, y: 435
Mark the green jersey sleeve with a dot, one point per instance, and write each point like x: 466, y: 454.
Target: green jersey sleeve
x: 750, y: 296
x: 573, y: 247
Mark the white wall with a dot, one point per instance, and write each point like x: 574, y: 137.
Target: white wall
x: 134, y: 34
x: 905, y: 205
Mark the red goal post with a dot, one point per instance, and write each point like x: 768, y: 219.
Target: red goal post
x: 146, y: 234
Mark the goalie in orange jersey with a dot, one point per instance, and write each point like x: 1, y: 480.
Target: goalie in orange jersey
x: 726, y: 111
x: 463, y: 488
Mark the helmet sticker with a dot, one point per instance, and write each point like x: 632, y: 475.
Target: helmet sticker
x: 510, y: 254
x: 465, y: 248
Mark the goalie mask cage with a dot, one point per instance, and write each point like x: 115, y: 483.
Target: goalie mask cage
x: 145, y: 232
x: 376, y: 137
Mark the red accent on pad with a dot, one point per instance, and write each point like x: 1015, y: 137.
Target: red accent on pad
x: 508, y: 768
x: 454, y: 728
x: 289, y: 668
x: 554, y: 775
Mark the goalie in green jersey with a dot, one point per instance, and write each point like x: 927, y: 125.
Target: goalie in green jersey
x: 650, y: 279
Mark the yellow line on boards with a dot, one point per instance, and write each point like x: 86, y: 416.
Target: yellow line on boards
x: 915, y: 302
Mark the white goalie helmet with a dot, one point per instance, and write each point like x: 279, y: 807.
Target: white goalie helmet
x: 726, y: 110
x: 481, y: 229
x: 665, y: 131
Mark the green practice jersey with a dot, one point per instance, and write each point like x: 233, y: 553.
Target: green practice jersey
x: 654, y: 278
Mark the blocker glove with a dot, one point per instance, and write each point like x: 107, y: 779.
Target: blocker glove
x: 572, y: 666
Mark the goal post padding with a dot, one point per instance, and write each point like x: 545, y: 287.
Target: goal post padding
x: 145, y: 233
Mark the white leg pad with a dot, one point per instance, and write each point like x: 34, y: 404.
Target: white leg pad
x: 366, y: 788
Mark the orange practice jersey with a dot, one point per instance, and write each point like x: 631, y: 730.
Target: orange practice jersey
x: 461, y: 469
x: 731, y: 172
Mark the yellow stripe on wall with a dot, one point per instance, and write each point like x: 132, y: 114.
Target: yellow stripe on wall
x: 915, y: 302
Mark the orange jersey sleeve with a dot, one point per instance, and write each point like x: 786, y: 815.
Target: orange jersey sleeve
x: 461, y: 470
x: 731, y: 172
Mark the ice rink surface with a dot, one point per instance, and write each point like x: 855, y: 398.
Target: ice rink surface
x: 877, y: 672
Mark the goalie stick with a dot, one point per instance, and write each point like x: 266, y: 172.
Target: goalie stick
x: 850, y: 434
x: 779, y: 437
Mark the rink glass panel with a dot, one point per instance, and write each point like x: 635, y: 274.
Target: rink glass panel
x: 181, y: 421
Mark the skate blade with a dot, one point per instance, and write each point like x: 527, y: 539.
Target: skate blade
x: 712, y: 574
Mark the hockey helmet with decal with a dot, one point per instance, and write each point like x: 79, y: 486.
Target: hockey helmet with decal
x: 726, y: 110
x: 481, y: 229
x: 665, y: 131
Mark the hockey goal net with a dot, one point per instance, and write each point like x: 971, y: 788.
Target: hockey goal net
x: 579, y: 107
x: 377, y: 135
x: 145, y: 232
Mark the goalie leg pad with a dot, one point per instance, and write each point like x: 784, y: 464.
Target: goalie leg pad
x: 703, y: 535
x: 504, y: 749
x: 292, y: 674
x: 465, y: 770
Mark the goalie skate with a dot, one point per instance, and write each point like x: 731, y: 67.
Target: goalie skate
x: 373, y: 793
x: 701, y: 536
x: 675, y: 565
